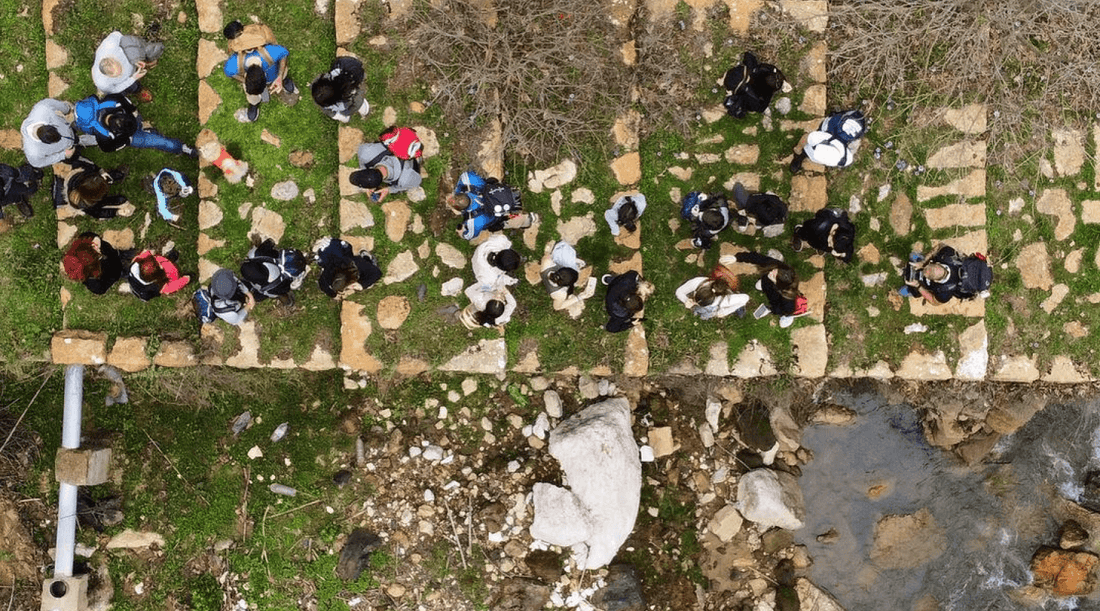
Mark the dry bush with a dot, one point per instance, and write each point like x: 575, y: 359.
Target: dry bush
x: 1032, y: 61
x: 553, y: 72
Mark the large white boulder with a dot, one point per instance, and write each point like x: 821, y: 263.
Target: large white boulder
x: 603, y: 472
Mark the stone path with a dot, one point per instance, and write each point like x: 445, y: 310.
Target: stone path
x: 964, y: 219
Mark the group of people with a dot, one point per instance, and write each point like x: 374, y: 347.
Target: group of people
x: 56, y: 131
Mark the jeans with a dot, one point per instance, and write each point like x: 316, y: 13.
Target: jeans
x: 152, y: 140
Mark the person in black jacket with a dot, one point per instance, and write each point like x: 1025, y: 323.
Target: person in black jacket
x: 828, y: 231
x: 779, y: 283
x: 341, y: 269
x: 93, y: 261
x: 750, y: 86
x: 17, y: 185
x: 625, y: 299
x: 339, y: 91
x: 272, y: 273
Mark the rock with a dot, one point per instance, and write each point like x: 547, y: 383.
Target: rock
x: 355, y: 556
x: 829, y: 536
x: 452, y: 287
x: 129, y: 539
x: 601, y: 462
x: 977, y: 447
x: 450, y: 256
x: 545, y: 565
x: 831, y: 413
x: 969, y: 186
x: 771, y: 498
x: 1064, y: 573
x: 627, y: 169
x: 392, y: 311
x: 726, y: 523
x: 1072, y: 535
x: 341, y: 478
x: 553, y: 177
x: 660, y: 439
x: 553, y: 403
x: 623, y: 591
x: 521, y: 595
x: 905, y: 542
x: 397, y: 214
x: 812, y: 598
x: 268, y: 224
x: 401, y: 268
x: 301, y: 159
x: 284, y: 191
x: 1090, y: 496
x: 900, y: 214
x: 1009, y: 414
x: 775, y: 540
x: 1069, y: 151
x: 959, y: 155
x: 78, y: 347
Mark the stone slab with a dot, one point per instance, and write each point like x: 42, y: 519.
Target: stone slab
x: 1016, y: 369
x: 966, y: 154
x: 808, y: 193
x: 489, y: 356
x: 811, y: 351
x: 956, y: 215
x: 969, y: 186
x: 175, y: 354
x: 74, y: 347
x: 921, y: 366
x: 128, y: 354
x: 754, y: 361
x: 355, y: 328
x: 1069, y: 151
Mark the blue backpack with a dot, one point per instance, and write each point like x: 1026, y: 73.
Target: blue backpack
x: 204, y: 306
x: 835, y: 123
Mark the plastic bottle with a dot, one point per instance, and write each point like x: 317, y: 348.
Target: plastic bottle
x: 281, y: 489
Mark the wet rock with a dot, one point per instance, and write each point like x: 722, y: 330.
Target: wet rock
x: 977, y: 447
x: 1090, y: 496
x: 812, y: 598
x: 775, y: 540
x: 771, y: 498
x: 754, y: 426
x: 829, y: 536
x: 1072, y: 535
x: 623, y: 591
x: 355, y: 555
x: 1064, y: 573
x: 786, y: 599
x: 833, y: 414
x: 908, y: 541
x: 545, y: 565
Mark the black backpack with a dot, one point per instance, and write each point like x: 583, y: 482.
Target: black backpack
x: 975, y: 276
x: 500, y: 199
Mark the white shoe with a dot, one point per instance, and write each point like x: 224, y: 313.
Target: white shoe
x: 785, y: 321
x: 364, y: 109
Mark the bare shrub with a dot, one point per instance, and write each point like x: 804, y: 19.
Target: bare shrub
x: 1032, y: 61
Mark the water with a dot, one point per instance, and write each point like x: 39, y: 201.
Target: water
x: 993, y: 516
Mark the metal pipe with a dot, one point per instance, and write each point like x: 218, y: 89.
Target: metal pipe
x: 66, y: 498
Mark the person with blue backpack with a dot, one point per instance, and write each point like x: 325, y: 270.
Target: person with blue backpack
x: 834, y: 143
x: 115, y: 123
x: 708, y: 214
x: 486, y: 204
x: 227, y: 298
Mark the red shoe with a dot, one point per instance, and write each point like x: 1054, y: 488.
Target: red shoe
x: 144, y: 96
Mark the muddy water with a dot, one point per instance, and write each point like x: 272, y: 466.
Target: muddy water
x: 992, y: 517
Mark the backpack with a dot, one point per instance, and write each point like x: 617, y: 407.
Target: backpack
x: 975, y: 276
x: 294, y: 265
x: 402, y: 142
x: 835, y: 124
x: 204, y: 306
x: 254, y: 36
x: 500, y: 199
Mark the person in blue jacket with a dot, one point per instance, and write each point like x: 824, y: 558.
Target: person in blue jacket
x: 258, y: 63
x: 115, y: 123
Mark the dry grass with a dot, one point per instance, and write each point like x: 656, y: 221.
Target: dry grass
x: 1032, y: 61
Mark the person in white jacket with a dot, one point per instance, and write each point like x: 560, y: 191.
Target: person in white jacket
x: 710, y: 297
x: 560, y: 269
x: 492, y: 261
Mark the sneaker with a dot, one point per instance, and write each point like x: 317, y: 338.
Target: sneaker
x: 287, y: 301
x: 364, y: 109
x: 740, y: 312
x: 253, y: 112
x: 606, y: 279
x: 173, y: 255
x: 796, y: 244
x: 796, y: 163
x: 190, y: 151
x: 288, y: 85
x: 341, y: 117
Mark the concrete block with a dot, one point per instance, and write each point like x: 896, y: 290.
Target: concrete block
x: 65, y: 594
x: 83, y: 467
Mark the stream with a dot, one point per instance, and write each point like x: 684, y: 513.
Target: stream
x: 992, y: 516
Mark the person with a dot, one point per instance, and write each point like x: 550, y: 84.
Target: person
x: 115, y: 123
x: 339, y: 91
x: 272, y: 273
x: 17, y: 185
x: 765, y: 210
x: 342, y: 271
x: 709, y: 215
x: 713, y: 296
x: 227, y: 299
x: 152, y: 275
x: 750, y: 86
x: 95, y: 262
x: 625, y: 213
x: 829, y: 231
x: 779, y: 284
x: 82, y: 184
x: 560, y: 269
x: 259, y: 64
x: 946, y: 274
x: 493, y: 260
x: 48, y: 133
x: 834, y: 143
x: 625, y: 298
x: 487, y: 205
x: 487, y: 308
x: 381, y: 172
x: 168, y: 185
x: 120, y: 63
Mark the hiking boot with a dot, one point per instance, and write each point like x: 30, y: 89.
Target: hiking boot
x: 287, y: 301
x: 796, y: 163
x: 253, y: 113
x: 173, y: 255
x: 740, y: 195
x: 25, y: 208
x: 144, y: 96
x: 796, y: 243
x: 288, y: 85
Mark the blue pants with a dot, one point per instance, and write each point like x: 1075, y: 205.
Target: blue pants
x: 152, y: 140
